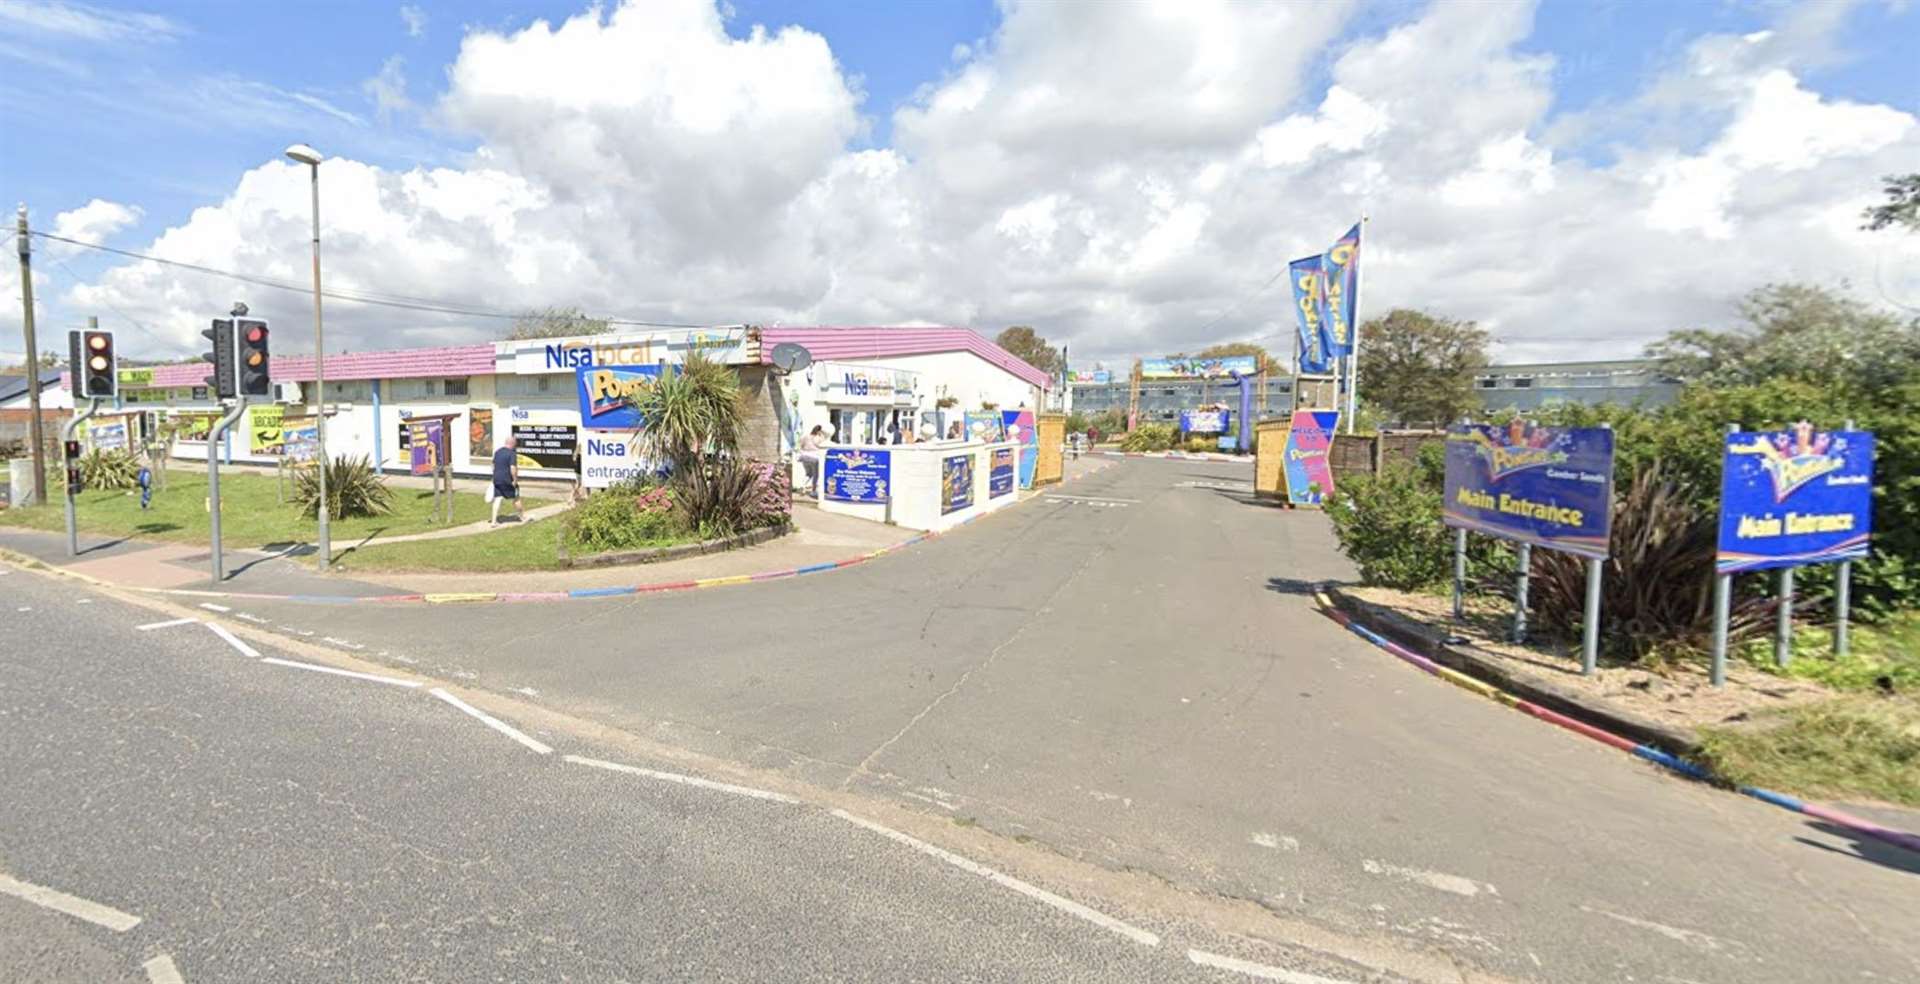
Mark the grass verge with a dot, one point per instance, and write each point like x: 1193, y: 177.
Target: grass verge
x: 1859, y: 745
x: 531, y: 546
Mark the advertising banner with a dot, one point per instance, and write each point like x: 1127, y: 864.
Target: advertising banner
x: 985, y: 425
x: 1306, y: 460
x: 1340, y: 269
x: 1195, y: 368
x: 1548, y: 486
x: 427, y: 445
x: 264, y: 424
x: 1793, y: 497
x: 1020, y: 426
x: 194, y: 426
x: 956, y: 483
x: 300, y: 438
x: 1097, y: 376
x: 544, y: 440
x: 1000, y: 474
x: 607, y: 395
x: 544, y: 355
x: 858, y: 475
x: 480, y: 435
x: 1203, y: 421
x: 609, y: 459
x: 108, y: 437
x: 1304, y: 274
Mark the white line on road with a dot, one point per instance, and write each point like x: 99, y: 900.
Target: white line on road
x: 1034, y: 892
x: 1262, y: 971
x: 234, y: 640
x: 160, y: 970
x: 342, y: 642
x: 72, y: 905
x: 1432, y: 879
x: 683, y: 779
x: 1089, y: 498
x: 150, y: 626
x: 492, y: 722
x: 251, y: 618
x: 210, y: 606
x: 336, y: 671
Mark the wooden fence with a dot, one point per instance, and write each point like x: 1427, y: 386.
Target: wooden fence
x: 1352, y: 454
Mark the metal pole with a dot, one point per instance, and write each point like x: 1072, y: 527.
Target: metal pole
x: 66, y: 434
x: 1783, y: 620
x: 1722, y: 609
x: 1842, y: 597
x: 213, y: 484
x: 1520, y: 571
x: 1353, y: 351
x: 320, y: 381
x: 33, y: 358
x: 1459, y: 574
x: 1590, y: 631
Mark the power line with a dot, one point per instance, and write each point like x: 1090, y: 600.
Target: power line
x: 380, y: 299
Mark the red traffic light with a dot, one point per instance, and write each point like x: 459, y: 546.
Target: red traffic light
x: 256, y: 334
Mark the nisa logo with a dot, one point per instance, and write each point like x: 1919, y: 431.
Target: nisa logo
x: 856, y: 384
x: 568, y: 356
x: 611, y: 449
x: 1794, y: 458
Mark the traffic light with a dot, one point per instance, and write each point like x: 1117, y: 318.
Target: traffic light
x: 222, y: 384
x: 253, y: 358
x: 101, y: 370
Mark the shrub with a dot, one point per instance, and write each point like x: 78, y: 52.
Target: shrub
x: 109, y: 469
x: 1202, y: 444
x: 12, y: 447
x: 724, y: 496
x: 354, y: 488
x: 1148, y: 437
x: 1389, y: 526
x: 694, y: 409
x: 628, y: 516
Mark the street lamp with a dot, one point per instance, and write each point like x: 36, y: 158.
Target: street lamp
x: 304, y: 154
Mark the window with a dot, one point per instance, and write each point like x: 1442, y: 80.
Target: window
x: 1522, y: 382
x: 200, y: 393
x: 1487, y: 382
x: 454, y: 387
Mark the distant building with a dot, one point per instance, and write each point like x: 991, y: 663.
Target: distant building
x: 1161, y: 400
x: 1531, y: 386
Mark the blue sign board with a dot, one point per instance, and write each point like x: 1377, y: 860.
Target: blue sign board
x: 1548, y: 486
x: 1206, y: 421
x: 1794, y: 497
x: 1000, y: 476
x: 858, y: 475
x: 607, y: 394
x: 956, y: 483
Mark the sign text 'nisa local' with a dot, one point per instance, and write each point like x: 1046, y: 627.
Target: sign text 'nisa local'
x: 574, y: 356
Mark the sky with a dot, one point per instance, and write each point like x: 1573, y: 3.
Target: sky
x: 1579, y: 178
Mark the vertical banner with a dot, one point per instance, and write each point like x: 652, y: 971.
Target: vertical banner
x: 1304, y: 274
x: 1307, y: 461
x: 1340, y: 271
x: 1000, y: 474
x: 480, y: 435
x: 1548, y: 486
x: 1019, y: 427
x: 1793, y: 497
x: 956, y: 483
x: 857, y: 475
x: 426, y: 445
x: 264, y: 429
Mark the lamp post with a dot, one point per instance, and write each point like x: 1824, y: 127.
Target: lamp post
x: 310, y: 157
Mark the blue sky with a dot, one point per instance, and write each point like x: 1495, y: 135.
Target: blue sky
x: 165, y: 107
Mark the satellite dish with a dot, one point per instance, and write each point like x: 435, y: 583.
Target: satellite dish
x: 788, y: 357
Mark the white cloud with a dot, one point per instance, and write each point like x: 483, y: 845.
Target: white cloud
x: 414, y: 18
x: 388, y: 90
x: 52, y: 19
x: 94, y: 222
x: 1116, y: 174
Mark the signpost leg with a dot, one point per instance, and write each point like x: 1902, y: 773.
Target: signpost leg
x: 1783, y: 621
x: 1520, y: 570
x: 73, y: 465
x: 1722, y: 605
x: 1590, y: 630
x: 213, y: 485
x: 1459, y: 574
x: 1842, y: 601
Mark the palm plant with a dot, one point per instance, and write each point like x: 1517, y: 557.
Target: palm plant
x: 354, y: 488
x: 691, y: 412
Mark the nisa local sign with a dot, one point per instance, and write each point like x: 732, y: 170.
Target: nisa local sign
x: 860, y: 385
x: 608, y: 394
x: 1793, y: 497
x: 1548, y: 486
x: 567, y: 354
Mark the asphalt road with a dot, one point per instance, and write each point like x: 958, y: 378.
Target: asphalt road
x: 265, y: 822
x: 1128, y: 676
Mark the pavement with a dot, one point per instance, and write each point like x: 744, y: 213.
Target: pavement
x: 1127, y: 677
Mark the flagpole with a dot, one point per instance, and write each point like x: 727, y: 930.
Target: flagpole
x: 1353, y: 350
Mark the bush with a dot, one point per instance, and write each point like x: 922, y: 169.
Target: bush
x: 1202, y: 444
x: 1149, y: 437
x: 108, y: 469
x: 354, y: 488
x: 1389, y: 526
x: 725, y: 496
x: 694, y: 409
x: 628, y: 516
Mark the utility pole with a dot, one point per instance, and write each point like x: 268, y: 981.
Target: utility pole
x: 33, y: 357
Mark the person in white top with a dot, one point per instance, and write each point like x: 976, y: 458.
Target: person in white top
x: 812, y: 452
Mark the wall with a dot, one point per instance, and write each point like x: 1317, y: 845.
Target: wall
x: 760, y: 428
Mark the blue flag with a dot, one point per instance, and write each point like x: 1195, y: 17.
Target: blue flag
x: 1341, y: 272
x: 1308, y: 302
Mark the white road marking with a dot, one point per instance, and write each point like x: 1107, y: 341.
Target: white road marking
x: 1034, y: 892
x: 1690, y: 937
x: 72, y: 905
x: 233, y: 640
x: 1261, y: 971
x: 336, y: 671
x: 722, y: 787
x: 1278, y: 843
x: 160, y: 970
x: 1432, y: 879
x: 84, y: 601
x: 150, y: 626
x: 1088, y: 498
x: 250, y: 618
x: 24, y: 608
x: 492, y: 722
x: 210, y: 606
x: 342, y: 642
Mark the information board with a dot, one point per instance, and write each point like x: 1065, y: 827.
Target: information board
x: 1307, y: 459
x: 608, y: 393
x: 858, y: 475
x: 1548, y: 486
x: 546, y: 445
x: 1793, y: 497
x: 956, y: 483
x: 609, y: 459
x: 426, y: 445
x: 1000, y: 476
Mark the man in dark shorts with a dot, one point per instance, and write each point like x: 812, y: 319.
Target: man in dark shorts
x: 506, y: 481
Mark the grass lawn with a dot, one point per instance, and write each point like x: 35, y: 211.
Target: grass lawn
x: 252, y: 514
x: 531, y: 546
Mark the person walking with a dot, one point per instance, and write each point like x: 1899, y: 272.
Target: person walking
x: 813, y: 449
x: 506, y: 481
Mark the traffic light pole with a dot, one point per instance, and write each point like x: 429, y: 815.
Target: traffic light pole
x: 214, y: 438
x: 66, y: 439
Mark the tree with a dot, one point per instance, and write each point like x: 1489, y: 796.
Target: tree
x: 1419, y: 368
x: 1032, y: 349
x: 557, y: 322
x: 1902, y: 206
x: 1262, y: 358
x: 1801, y: 332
